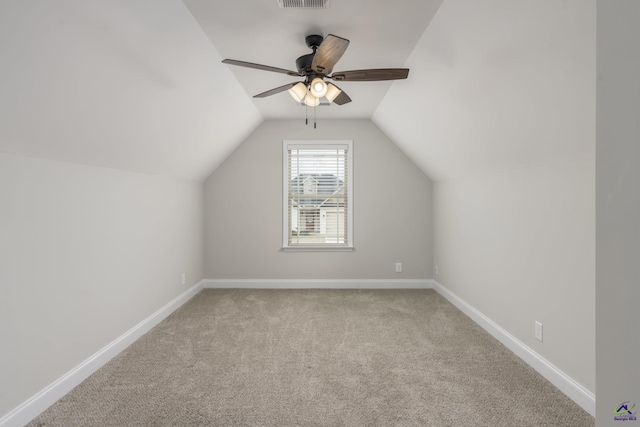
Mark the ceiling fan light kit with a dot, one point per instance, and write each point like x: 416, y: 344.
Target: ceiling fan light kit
x: 311, y: 101
x: 332, y: 92
x: 298, y: 92
x: 317, y: 66
x: 318, y: 87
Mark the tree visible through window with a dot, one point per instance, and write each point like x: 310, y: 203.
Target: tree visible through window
x: 317, y: 199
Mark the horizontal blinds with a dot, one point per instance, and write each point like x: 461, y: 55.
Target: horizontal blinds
x: 317, y: 195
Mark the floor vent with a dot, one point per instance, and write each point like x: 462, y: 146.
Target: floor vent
x: 303, y: 4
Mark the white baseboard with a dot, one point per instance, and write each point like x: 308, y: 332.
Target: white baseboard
x: 575, y: 391
x: 318, y: 283
x: 38, y: 403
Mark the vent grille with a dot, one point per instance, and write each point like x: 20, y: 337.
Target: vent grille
x: 303, y: 4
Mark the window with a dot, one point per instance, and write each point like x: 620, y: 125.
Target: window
x: 318, y: 201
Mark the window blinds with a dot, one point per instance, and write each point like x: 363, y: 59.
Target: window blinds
x: 317, y: 195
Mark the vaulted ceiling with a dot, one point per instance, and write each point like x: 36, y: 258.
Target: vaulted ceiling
x: 140, y: 85
x: 382, y: 34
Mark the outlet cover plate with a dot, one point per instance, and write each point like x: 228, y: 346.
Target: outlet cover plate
x: 538, y: 330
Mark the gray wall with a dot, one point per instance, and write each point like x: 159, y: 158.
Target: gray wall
x: 519, y: 246
x: 243, y: 209
x: 86, y: 254
x: 618, y: 207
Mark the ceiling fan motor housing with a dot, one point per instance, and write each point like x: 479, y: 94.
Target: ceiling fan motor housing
x: 303, y: 63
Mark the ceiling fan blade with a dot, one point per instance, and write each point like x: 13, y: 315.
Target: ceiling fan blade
x: 328, y: 53
x: 371, y: 75
x: 342, y: 98
x: 276, y: 90
x: 261, y: 67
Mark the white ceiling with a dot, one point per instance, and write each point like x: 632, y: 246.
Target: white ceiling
x: 382, y: 34
x: 140, y: 85
x: 503, y: 84
x: 133, y: 85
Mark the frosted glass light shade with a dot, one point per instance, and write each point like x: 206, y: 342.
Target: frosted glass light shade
x: 298, y: 92
x: 318, y: 87
x: 311, y: 100
x: 332, y: 92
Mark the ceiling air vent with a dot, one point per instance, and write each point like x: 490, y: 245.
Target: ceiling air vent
x: 303, y: 4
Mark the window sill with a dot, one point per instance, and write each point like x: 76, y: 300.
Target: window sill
x: 311, y: 248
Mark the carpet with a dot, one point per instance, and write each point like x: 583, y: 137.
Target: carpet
x: 248, y: 357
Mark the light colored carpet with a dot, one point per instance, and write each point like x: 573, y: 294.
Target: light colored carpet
x: 316, y: 358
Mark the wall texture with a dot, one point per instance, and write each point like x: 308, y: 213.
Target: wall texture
x: 519, y: 246
x: 392, y: 209
x: 86, y: 254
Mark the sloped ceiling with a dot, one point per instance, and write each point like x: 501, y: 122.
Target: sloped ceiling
x: 498, y: 84
x: 382, y: 34
x: 140, y: 85
x: 122, y: 84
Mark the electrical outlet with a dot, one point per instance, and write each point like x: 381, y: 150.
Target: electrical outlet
x: 538, y: 330
x: 398, y: 267
x: 184, y: 278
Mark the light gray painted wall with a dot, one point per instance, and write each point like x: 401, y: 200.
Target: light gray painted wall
x: 618, y: 208
x: 86, y: 254
x: 502, y: 119
x: 243, y: 209
x: 519, y: 246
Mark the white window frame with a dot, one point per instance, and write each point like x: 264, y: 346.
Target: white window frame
x: 310, y: 145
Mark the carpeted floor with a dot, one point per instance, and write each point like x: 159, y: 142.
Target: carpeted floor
x: 316, y: 358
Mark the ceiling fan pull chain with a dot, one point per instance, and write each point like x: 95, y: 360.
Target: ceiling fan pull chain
x: 306, y: 114
x: 314, y: 117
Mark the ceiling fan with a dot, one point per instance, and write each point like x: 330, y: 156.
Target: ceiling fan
x: 317, y: 66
